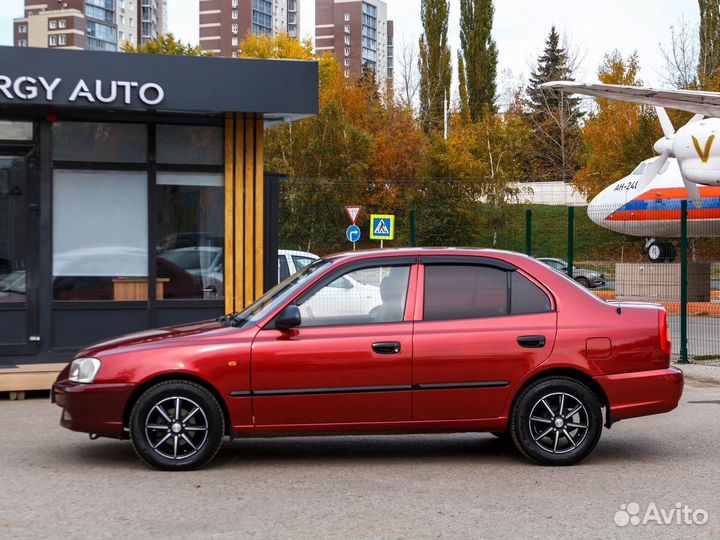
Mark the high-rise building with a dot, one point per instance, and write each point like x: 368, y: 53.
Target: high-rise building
x: 358, y: 33
x: 225, y: 23
x: 101, y: 25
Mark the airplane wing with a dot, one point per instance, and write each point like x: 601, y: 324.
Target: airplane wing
x: 695, y: 101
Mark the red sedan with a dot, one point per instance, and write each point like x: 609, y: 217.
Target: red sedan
x: 438, y: 340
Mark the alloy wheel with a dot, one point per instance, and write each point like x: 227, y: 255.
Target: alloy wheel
x: 559, y: 422
x: 176, y: 428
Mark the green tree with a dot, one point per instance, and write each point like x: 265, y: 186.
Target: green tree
x: 555, y: 116
x: 434, y: 63
x: 480, y: 53
x: 166, y: 44
x: 709, y: 54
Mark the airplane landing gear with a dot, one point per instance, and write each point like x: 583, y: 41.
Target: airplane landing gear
x: 660, y: 252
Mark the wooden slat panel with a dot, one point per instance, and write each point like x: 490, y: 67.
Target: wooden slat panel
x: 239, y: 216
x: 259, y: 206
x: 229, y: 213
x: 249, y: 180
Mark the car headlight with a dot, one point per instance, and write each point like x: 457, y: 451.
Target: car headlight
x: 84, y: 370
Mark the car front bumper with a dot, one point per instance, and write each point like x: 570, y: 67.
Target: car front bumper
x: 92, y: 408
x: 642, y: 393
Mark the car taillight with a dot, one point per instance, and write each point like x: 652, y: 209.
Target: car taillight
x: 664, y: 331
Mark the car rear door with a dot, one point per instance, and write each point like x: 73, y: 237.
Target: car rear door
x: 344, y: 364
x: 481, y: 325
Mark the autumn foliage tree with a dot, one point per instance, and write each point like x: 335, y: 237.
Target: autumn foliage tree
x: 166, y: 44
x: 618, y: 135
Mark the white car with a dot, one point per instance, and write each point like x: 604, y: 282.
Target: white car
x: 344, y: 296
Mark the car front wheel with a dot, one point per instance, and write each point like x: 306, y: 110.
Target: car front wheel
x: 176, y: 425
x: 556, y: 421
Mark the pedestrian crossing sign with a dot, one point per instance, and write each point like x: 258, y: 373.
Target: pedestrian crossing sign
x: 382, y: 227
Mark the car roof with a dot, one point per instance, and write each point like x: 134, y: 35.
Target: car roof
x: 298, y: 253
x: 420, y: 251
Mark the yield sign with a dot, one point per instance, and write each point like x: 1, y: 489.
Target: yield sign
x: 353, y: 212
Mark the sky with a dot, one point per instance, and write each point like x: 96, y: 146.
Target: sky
x: 593, y: 27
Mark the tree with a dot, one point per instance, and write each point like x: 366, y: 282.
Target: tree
x: 434, y: 63
x: 480, y: 54
x: 166, y: 44
x: 619, y: 135
x: 681, y: 57
x: 463, y: 90
x: 709, y: 52
x: 555, y: 116
x: 409, y: 83
x: 281, y: 46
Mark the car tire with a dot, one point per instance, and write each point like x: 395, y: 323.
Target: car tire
x: 169, y: 441
x: 583, y: 281
x: 546, y: 421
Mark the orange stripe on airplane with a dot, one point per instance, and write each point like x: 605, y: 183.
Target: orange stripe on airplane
x: 677, y: 193
x: 663, y: 215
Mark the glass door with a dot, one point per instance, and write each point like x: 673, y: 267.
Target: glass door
x: 19, y: 222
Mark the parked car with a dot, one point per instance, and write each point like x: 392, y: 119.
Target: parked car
x: 590, y: 279
x: 290, y: 261
x: 463, y: 340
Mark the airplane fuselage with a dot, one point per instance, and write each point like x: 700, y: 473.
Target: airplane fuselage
x: 654, y: 211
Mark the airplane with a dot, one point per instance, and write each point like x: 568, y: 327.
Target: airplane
x: 647, y: 202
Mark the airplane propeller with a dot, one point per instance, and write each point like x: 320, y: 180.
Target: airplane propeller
x: 665, y: 148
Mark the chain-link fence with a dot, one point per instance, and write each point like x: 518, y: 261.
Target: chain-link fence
x: 663, y: 250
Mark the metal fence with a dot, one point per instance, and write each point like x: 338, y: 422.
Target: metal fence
x: 607, y: 250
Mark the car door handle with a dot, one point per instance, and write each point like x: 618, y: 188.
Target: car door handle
x: 531, y: 342
x: 387, y: 347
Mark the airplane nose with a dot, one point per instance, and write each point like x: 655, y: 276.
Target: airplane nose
x: 597, y: 212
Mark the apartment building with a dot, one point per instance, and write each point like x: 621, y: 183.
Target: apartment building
x: 225, y: 23
x: 101, y: 25
x: 359, y: 34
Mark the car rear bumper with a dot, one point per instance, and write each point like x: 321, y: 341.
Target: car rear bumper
x: 92, y: 408
x: 642, y: 393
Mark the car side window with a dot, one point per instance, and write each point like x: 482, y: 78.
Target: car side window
x: 471, y: 292
x: 464, y: 292
x: 526, y: 297
x: 367, y: 296
x: 301, y: 262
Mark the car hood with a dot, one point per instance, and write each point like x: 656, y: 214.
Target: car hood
x: 158, y: 337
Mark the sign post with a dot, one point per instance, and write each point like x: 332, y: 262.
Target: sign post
x: 353, y: 231
x: 382, y: 227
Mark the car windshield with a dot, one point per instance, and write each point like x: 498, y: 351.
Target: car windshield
x: 278, y: 294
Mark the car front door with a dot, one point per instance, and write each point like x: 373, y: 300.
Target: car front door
x: 484, y: 325
x: 348, y: 362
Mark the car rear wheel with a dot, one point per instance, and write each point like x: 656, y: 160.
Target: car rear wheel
x: 176, y: 425
x: 556, y: 421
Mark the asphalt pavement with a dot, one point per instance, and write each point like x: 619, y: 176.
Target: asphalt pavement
x: 59, y: 484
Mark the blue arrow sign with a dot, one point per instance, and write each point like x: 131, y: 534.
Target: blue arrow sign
x: 353, y: 233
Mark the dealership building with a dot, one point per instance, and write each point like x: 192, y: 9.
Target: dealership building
x: 132, y: 194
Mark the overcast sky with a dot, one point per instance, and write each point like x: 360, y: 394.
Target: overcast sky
x: 520, y: 28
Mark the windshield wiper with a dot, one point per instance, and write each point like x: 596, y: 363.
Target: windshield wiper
x: 229, y: 319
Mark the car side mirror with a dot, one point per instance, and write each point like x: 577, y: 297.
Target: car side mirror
x: 288, y: 318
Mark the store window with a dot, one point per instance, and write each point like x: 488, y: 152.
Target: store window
x: 191, y: 235
x: 109, y: 143
x: 12, y: 228
x: 100, y: 235
x: 190, y: 145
